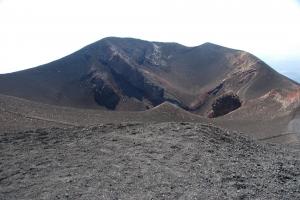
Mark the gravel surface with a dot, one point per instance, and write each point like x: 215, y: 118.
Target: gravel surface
x: 145, y: 161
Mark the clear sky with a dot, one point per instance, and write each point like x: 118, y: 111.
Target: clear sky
x: 34, y: 32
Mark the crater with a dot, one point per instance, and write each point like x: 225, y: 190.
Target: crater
x: 225, y: 104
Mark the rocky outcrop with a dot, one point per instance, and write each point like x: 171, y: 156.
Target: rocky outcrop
x: 104, y: 95
x: 117, y: 76
x: 133, y: 83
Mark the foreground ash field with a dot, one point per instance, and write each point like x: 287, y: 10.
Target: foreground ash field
x: 145, y: 161
x: 130, y: 119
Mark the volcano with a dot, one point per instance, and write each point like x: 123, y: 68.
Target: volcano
x: 125, y: 74
x: 124, y: 118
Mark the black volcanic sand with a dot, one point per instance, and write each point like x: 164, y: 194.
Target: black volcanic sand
x: 144, y: 161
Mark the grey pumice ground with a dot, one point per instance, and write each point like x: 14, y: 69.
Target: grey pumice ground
x: 145, y: 161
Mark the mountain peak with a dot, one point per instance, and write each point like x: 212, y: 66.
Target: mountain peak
x: 212, y: 46
x: 132, y: 74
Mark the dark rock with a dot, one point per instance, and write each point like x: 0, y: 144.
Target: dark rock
x: 225, y: 104
x: 104, y: 95
x: 107, y: 97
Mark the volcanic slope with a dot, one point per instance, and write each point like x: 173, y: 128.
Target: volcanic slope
x: 18, y: 114
x: 144, y: 161
x: 127, y: 74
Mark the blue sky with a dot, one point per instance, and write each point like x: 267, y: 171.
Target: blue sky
x: 289, y: 67
x: 35, y: 32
